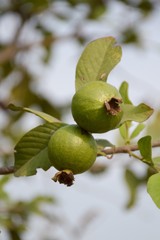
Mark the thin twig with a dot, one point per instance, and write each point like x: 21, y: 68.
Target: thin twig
x: 6, y: 170
x: 9, y: 52
x: 109, y: 151
x: 126, y: 148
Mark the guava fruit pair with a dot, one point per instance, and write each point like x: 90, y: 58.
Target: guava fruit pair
x: 72, y: 149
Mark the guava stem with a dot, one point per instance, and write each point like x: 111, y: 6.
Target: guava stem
x: 6, y: 170
x: 126, y: 148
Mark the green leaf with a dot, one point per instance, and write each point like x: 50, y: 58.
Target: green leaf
x: 124, y: 130
x: 35, y: 205
x: 97, y: 8
x: 156, y: 162
x: 132, y: 182
x: 3, y: 181
x: 36, y: 6
x: 153, y: 127
x: 130, y: 35
x: 153, y: 188
x: 138, y: 113
x: 124, y: 93
x: 137, y: 130
x: 42, y: 115
x: 102, y: 143
x: 97, y: 60
x: 145, y: 147
x: 31, y: 151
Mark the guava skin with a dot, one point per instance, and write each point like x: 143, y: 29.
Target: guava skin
x: 91, y: 109
x: 72, y: 148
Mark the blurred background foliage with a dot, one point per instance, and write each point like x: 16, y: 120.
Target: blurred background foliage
x: 19, y: 83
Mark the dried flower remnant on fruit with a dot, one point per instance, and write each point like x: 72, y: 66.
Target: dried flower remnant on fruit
x: 113, y: 106
x: 64, y: 177
x: 103, y: 76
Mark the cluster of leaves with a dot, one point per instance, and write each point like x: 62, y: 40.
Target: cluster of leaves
x: 145, y: 147
x: 31, y: 150
x: 31, y: 14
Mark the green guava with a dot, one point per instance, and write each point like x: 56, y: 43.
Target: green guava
x: 96, y: 107
x: 72, y: 149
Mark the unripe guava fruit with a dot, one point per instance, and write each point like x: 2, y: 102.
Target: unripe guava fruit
x: 72, y: 148
x: 96, y: 107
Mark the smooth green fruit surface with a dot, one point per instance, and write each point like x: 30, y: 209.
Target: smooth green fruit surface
x: 96, y: 107
x: 72, y: 148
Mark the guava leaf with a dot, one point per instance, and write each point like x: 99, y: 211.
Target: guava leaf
x: 124, y: 93
x: 42, y: 115
x: 97, y: 60
x: 156, y: 162
x: 35, y: 205
x: 138, y: 113
x: 3, y: 194
x: 124, y: 130
x: 103, y: 143
x: 139, y: 128
x: 153, y: 188
x: 145, y: 148
x: 153, y: 127
x: 132, y: 182
x: 31, y: 150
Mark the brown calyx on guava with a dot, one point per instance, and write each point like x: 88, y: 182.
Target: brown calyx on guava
x: 113, y: 106
x: 64, y: 177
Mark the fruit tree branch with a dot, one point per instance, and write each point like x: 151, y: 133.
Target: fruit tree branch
x: 126, y: 148
x: 109, y: 151
x: 10, y: 51
x: 6, y: 170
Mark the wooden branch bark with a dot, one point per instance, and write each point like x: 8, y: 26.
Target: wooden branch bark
x: 6, y: 170
x: 126, y: 149
x: 108, y: 151
x: 9, y: 52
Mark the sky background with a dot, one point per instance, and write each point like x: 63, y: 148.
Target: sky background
x: 101, y: 198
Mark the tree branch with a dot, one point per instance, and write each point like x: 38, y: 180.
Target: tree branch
x: 9, y: 52
x: 6, y: 170
x: 126, y: 149
x: 108, y: 151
